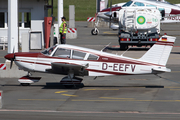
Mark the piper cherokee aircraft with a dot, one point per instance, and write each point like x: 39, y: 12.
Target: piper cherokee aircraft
x: 78, y: 61
x: 170, y: 12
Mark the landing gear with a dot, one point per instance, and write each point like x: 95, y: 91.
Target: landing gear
x: 69, y: 82
x: 27, y: 80
x: 95, y: 31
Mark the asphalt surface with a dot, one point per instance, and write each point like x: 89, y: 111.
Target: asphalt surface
x: 139, y: 97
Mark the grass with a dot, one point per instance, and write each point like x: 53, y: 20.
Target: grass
x: 86, y: 8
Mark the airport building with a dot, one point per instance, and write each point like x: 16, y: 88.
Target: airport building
x: 20, y: 17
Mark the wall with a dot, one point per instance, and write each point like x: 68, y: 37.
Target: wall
x: 36, y: 7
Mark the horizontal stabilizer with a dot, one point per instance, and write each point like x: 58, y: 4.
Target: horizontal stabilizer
x: 161, y: 69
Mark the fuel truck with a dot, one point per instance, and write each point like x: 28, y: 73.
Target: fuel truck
x: 138, y: 26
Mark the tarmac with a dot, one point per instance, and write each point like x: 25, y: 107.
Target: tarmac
x: 138, y: 97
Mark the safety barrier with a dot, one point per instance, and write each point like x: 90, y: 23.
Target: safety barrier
x: 0, y: 99
x: 2, y: 66
x: 72, y: 33
x: 91, y: 19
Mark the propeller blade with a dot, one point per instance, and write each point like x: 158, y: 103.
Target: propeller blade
x: 111, y: 14
x: 11, y: 63
x: 12, y: 59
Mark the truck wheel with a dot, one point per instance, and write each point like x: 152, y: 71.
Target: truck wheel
x: 123, y: 47
x: 94, y: 32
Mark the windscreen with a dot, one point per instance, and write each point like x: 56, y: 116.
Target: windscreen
x: 127, y: 4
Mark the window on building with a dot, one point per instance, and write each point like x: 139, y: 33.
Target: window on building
x: 78, y: 55
x: 63, y: 53
x: 27, y: 19
x: 2, y: 20
x: 20, y: 19
x: 92, y: 57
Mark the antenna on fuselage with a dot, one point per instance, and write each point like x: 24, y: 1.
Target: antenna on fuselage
x: 105, y: 47
x: 125, y: 51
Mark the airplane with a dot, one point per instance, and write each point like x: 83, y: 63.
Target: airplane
x: 76, y: 61
x: 170, y: 12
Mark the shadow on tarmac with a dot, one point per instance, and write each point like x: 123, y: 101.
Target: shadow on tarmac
x: 175, y: 52
x: 56, y: 85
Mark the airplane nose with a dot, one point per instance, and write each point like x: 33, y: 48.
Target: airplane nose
x: 9, y: 56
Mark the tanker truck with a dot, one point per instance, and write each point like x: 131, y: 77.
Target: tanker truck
x: 138, y: 26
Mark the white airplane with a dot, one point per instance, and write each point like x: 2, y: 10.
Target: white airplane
x: 170, y: 12
x: 78, y: 61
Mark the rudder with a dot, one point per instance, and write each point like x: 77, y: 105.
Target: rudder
x: 160, y: 51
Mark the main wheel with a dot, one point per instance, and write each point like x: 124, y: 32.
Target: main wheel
x: 94, y: 31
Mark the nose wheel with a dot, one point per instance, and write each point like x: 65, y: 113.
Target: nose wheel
x: 95, y: 31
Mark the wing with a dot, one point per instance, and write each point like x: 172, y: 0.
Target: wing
x: 66, y: 68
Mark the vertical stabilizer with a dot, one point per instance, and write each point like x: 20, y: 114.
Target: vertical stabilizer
x: 160, y: 51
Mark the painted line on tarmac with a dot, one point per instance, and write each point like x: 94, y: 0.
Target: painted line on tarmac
x: 110, y: 33
x: 175, y: 71
x: 69, y: 95
x: 174, y: 89
x: 128, y: 100
x: 115, y: 98
x: 117, y: 46
x: 42, y: 99
x: 98, y: 89
x: 90, y: 112
x: 61, y: 91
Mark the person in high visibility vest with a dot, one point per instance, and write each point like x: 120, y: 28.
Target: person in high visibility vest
x: 63, y: 30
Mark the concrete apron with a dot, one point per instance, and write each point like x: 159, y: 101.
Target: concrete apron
x: 14, y: 72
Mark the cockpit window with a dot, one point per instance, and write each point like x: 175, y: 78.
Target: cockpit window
x: 137, y: 4
x: 127, y: 4
x: 49, y: 50
x: 92, y: 57
x: 151, y: 5
x: 63, y: 53
x: 78, y: 55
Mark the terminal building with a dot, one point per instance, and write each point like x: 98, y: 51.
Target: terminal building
x: 19, y: 17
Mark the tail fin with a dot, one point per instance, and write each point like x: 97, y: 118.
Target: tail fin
x: 160, y: 51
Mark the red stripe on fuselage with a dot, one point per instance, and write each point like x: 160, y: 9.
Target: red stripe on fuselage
x: 173, y: 11
x: 34, y: 62
x: 113, y: 9
x: 108, y: 72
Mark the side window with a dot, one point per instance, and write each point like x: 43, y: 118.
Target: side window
x: 63, y: 53
x: 92, y: 57
x: 151, y: 5
x: 138, y: 4
x: 78, y: 55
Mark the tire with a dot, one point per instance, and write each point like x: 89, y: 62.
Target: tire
x: 123, y: 46
x: 25, y: 84
x: 94, y: 32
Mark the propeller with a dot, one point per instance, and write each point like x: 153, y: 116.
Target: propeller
x: 12, y: 59
x: 110, y: 14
